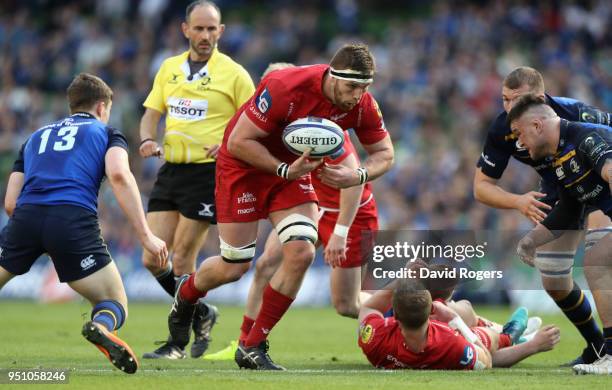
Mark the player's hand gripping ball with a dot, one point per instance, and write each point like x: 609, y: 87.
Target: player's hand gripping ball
x: 323, y: 137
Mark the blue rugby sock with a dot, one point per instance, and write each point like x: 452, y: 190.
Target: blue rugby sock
x: 577, y: 309
x: 109, y: 314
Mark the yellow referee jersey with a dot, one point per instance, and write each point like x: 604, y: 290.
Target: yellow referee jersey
x: 197, y: 110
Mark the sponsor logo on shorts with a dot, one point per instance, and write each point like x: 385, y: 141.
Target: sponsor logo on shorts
x: 206, y: 210
x: 246, y: 197
x: 306, y: 187
x: 187, y: 109
x: 88, y: 262
x: 246, y: 211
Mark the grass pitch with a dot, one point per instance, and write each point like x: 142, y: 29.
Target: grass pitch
x: 317, y: 346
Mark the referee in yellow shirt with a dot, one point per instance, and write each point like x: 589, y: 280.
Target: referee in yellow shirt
x: 198, y: 92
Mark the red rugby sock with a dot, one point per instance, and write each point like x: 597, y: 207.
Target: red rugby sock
x: 189, y: 292
x: 273, y: 307
x: 245, y: 328
x: 504, y: 341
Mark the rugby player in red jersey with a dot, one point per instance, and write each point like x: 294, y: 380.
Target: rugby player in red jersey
x: 346, y: 217
x: 257, y: 178
x: 419, y: 335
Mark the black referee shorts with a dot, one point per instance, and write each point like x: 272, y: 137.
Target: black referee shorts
x: 186, y: 188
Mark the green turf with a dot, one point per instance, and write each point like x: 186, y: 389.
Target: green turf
x: 316, y: 345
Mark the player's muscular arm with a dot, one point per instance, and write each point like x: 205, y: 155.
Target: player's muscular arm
x: 243, y: 143
x: 335, y: 251
x: 380, y: 157
x: 488, y: 192
x: 148, y: 132
x: 126, y: 191
x: 13, y: 189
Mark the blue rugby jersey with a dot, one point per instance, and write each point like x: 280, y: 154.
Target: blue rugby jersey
x: 501, y: 143
x: 63, y: 162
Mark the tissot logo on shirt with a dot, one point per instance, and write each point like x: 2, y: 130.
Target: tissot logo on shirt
x: 187, y: 109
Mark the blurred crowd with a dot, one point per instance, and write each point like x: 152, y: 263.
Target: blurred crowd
x: 440, y: 67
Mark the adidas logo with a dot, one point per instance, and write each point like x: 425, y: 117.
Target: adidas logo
x: 88, y: 262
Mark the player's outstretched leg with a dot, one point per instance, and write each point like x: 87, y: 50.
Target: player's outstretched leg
x: 204, y: 318
x: 179, y: 324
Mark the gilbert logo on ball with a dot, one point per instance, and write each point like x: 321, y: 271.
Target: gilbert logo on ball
x: 324, y: 137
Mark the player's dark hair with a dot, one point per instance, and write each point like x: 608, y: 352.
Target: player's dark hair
x: 525, y: 75
x: 411, y: 304
x: 355, y: 57
x: 85, y: 90
x: 522, y: 105
x: 201, y: 3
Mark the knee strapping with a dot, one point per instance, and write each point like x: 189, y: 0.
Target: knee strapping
x: 297, y: 227
x: 594, y: 235
x: 555, y: 264
x: 243, y: 254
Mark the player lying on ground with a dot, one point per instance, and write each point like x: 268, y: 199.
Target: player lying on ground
x: 581, y: 161
x: 554, y: 261
x: 419, y: 335
x: 52, y: 201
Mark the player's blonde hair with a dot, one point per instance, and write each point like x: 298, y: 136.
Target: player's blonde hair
x: 524, y: 75
x: 276, y: 66
x: 85, y: 90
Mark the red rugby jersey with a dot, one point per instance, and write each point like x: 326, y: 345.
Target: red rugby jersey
x: 293, y: 93
x: 383, y: 344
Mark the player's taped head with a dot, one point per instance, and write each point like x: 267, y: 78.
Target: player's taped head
x: 555, y: 264
x: 594, y: 235
x: 297, y: 227
x: 231, y: 254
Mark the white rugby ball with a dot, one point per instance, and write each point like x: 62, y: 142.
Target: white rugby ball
x: 324, y: 137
